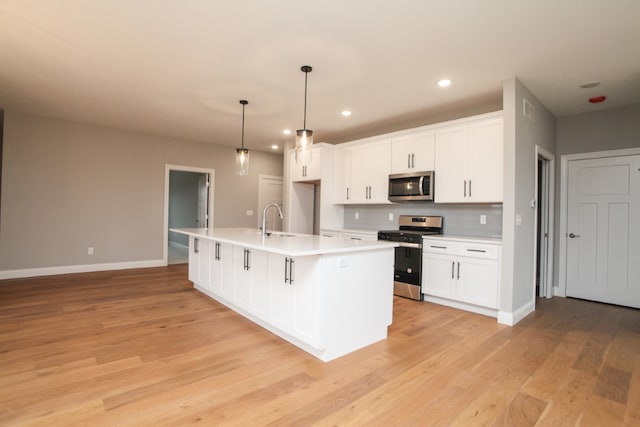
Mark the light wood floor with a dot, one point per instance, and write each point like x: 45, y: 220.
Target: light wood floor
x: 142, y: 347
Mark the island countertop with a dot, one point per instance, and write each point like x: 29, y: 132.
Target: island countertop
x: 283, y: 243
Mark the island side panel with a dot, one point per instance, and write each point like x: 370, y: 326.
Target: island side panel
x: 358, y: 300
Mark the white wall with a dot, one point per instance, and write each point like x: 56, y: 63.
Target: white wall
x: 68, y: 186
x: 521, y: 137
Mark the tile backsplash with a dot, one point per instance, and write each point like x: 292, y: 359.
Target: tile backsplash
x: 459, y: 219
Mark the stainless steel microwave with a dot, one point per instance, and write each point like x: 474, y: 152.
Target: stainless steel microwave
x: 407, y: 187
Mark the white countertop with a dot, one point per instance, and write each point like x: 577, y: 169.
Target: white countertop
x: 284, y: 243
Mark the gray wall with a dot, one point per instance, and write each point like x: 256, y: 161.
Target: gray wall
x: 459, y: 219
x: 613, y: 129
x: 521, y: 137
x: 68, y: 186
x: 183, y: 203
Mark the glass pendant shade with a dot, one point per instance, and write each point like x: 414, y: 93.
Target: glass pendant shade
x: 304, y: 138
x: 242, y: 161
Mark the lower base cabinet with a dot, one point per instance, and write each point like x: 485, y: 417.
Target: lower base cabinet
x: 462, y: 272
x: 328, y: 304
x: 295, y: 296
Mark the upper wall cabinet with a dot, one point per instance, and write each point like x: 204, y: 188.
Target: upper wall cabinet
x: 413, y: 152
x: 307, y: 165
x: 468, y: 162
x: 362, y: 173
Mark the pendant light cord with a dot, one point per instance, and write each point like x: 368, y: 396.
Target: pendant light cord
x: 244, y: 103
x: 304, y: 123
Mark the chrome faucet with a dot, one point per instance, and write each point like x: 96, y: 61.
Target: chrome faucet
x: 264, y: 217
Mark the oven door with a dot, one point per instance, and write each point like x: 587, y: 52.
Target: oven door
x: 407, y: 271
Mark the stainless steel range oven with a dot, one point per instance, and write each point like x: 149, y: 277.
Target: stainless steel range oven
x: 408, y: 256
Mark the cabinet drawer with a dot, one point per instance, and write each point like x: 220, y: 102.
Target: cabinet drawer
x: 477, y: 250
x: 440, y: 246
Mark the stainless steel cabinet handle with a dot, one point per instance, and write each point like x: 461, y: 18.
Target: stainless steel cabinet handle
x: 438, y: 247
x: 413, y: 160
x: 291, y: 271
x: 196, y: 246
x: 458, y: 271
x: 571, y: 235
x: 347, y: 193
x: 469, y: 188
x: 453, y: 266
x: 408, y: 161
x: 465, y: 188
x: 476, y: 250
x: 248, y: 259
x: 286, y: 270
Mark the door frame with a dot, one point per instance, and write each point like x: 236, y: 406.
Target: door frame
x: 167, y: 176
x: 546, y: 282
x: 561, y: 290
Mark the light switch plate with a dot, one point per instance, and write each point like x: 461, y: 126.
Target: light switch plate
x: 483, y: 219
x: 391, y: 216
x: 356, y: 215
x: 518, y: 219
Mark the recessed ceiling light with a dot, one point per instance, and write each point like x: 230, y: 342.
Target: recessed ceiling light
x: 286, y: 132
x: 444, y: 83
x: 274, y: 147
x: 589, y: 85
x: 346, y: 113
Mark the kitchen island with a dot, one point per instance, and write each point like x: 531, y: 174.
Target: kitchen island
x: 328, y: 296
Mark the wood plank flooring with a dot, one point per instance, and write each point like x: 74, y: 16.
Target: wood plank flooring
x: 142, y: 347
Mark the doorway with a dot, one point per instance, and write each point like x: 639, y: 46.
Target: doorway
x: 188, y: 204
x: 545, y: 181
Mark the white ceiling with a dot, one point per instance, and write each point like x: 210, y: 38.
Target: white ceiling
x: 179, y: 68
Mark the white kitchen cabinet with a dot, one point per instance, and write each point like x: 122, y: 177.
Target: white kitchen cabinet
x: 250, y: 267
x: 307, y: 164
x: 466, y: 272
x: 362, y: 173
x: 468, y: 162
x: 295, y: 296
x: 413, y: 152
x: 342, y: 175
x: 199, y: 261
x: 221, y: 256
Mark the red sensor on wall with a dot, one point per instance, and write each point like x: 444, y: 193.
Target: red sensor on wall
x: 597, y: 99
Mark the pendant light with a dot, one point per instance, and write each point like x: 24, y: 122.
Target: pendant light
x: 304, y: 136
x: 242, y: 154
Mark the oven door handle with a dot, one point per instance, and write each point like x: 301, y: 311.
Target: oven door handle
x: 409, y: 245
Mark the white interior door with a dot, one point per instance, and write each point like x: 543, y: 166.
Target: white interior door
x: 603, y: 230
x: 270, y: 191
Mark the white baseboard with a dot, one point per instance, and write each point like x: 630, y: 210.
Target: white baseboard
x: 511, y: 318
x: 67, y: 269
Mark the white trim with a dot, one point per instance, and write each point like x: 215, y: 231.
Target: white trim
x: 462, y: 305
x: 167, y: 170
x: 561, y: 289
x: 510, y: 319
x: 86, y: 268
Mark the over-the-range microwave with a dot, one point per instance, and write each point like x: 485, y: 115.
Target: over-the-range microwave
x: 407, y: 187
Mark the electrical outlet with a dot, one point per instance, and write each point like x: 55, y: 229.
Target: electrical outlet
x: 518, y: 219
x: 90, y: 251
x: 483, y: 219
x: 391, y: 216
x: 249, y: 213
x: 356, y: 215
